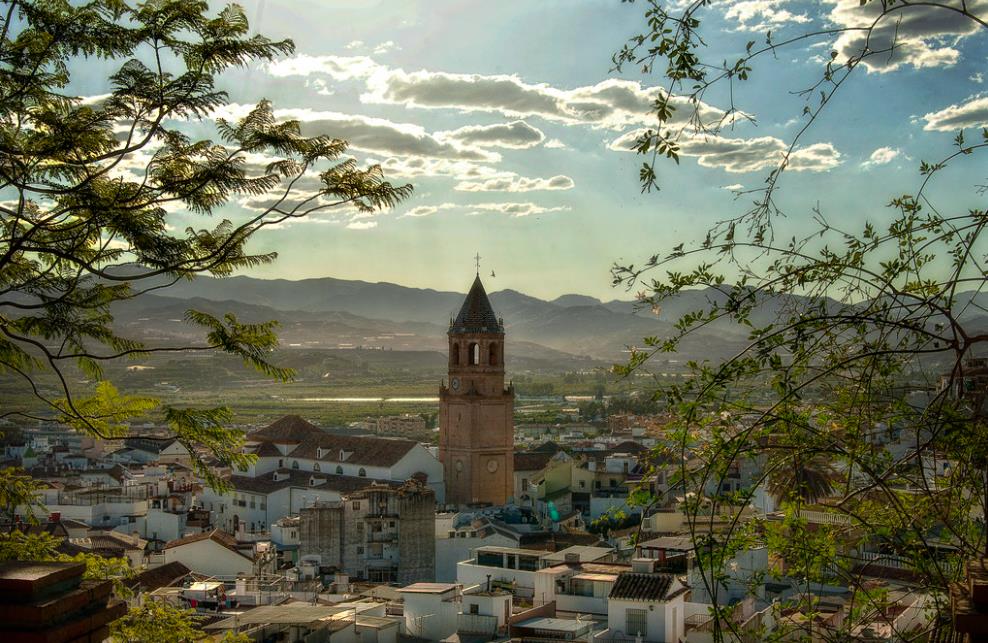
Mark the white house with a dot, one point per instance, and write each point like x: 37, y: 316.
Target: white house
x: 456, y: 543
x: 646, y: 606
x: 579, y: 588
x: 509, y: 565
x: 211, y: 554
x: 435, y: 611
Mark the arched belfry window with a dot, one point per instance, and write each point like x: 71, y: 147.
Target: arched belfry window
x: 474, y: 357
x: 492, y: 356
x: 454, y: 354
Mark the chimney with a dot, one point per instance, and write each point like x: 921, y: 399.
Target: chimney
x: 571, y: 558
x: 643, y: 565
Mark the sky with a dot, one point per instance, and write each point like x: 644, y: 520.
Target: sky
x: 511, y: 125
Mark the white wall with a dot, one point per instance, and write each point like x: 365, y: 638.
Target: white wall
x: 665, y: 621
x: 209, y: 558
x: 450, y: 551
x: 429, y: 617
x: 159, y: 524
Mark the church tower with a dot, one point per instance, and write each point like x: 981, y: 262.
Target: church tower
x: 476, y: 410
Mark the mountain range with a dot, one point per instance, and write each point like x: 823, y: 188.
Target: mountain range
x: 326, y: 312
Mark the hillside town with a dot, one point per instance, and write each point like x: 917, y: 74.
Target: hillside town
x: 364, y: 535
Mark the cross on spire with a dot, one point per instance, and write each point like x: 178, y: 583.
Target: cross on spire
x: 477, y: 259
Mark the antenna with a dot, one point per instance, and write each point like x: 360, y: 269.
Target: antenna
x: 477, y: 259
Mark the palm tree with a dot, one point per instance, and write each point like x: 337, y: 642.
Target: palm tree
x: 802, y: 479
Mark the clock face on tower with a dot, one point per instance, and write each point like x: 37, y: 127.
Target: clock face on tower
x: 455, y: 383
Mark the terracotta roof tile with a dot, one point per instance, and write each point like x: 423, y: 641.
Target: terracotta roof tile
x: 266, y: 483
x: 642, y: 587
x: 316, y: 444
x: 291, y: 428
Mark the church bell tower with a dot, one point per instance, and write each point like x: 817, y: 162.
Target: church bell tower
x: 476, y: 410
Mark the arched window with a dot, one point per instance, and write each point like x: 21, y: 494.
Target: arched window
x: 294, y: 464
x: 454, y: 355
x: 362, y: 473
x: 316, y: 467
x: 339, y: 470
x: 492, y: 356
x: 474, y: 354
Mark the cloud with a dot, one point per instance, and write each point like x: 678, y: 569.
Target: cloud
x: 514, y: 209
x: 372, y: 134
x: 417, y: 166
x: 337, y: 67
x: 517, y: 209
x: 517, y: 135
x: 385, y: 47
x: 971, y: 113
x: 612, y: 103
x: 738, y: 155
x: 920, y: 35
x: 361, y: 225
x: 761, y: 15
x: 881, y: 156
x: 976, y: 77
x: 733, y: 187
x: 818, y: 157
x: 516, y: 183
x: 427, y: 210
x: 354, y: 44
x: 556, y: 144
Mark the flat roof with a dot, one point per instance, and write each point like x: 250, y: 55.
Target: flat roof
x: 376, y: 622
x: 559, y: 624
x: 586, y: 553
x: 427, y: 588
x: 287, y: 614
x: 679, y: 543
x: 513, y: 550
x: 602, y: 577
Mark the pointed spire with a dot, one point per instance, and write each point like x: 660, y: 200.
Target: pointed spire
x: 476, y: 315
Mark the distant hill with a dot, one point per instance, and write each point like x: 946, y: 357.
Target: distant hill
x: 329, y: 312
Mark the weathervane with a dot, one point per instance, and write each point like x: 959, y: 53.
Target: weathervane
x: 477, y: 258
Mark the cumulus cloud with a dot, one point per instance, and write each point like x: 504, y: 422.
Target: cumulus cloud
x: 372, y: 134
x: 514, y: 209
x: 385, y: 47
x: 556, y: 144
x: 417, y: 166
x: 516, y: 183
x: 517, y: 135
x: 881, y: 156
x: 971, y: 113
x: 337, y: 67
x: 918, y: 35
x: 523, y: 209
x: 427, y: 210
x: 612, y: 103
x: 361, y: 225
x: 761, y: 15
x: 738, y: 155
